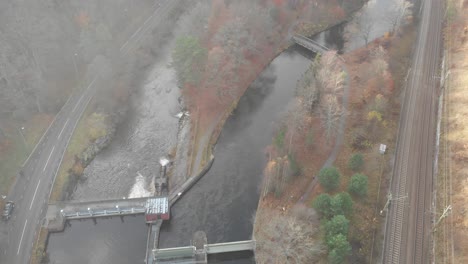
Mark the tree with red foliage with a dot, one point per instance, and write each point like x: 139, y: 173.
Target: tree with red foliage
x: 338, y: 12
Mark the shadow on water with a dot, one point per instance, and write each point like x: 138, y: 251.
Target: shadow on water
x: 261, y: 88
x: 244, y: 257
x: 116, y: 240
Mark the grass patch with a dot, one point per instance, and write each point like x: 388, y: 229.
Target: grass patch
x: 39, y: 254
x: 90, y: 127
x: 78, y: 143
x: 11, y: 161
x: 14, y: 149
x: 451, y: 235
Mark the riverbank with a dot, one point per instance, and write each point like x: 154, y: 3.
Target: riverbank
x: 95, y: 132
x: 207, y: 127
x: 372, y: 119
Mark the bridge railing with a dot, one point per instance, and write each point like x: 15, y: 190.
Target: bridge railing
x: 178, y: 252
x: 309, y: 43
x: 230, y: 247
x: 102, y: 213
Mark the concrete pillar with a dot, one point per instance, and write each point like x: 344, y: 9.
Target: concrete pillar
x: 199, y: 241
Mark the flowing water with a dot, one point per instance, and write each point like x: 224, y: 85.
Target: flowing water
x: 149, y: 134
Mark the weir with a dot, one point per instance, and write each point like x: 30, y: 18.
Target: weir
x: 154, y: 208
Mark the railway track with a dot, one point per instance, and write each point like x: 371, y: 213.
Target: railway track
x: 408, y: 233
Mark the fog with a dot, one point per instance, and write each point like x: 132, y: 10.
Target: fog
x: 48, y: 49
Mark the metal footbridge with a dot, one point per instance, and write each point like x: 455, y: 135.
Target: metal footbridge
x: 192, y: 254
x: 309, y: 44
x: 154, y: 208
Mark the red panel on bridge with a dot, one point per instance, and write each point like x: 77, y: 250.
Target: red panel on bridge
x: 156, y: 209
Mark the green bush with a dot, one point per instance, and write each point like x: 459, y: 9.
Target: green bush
x: 337, y: 225
x: 358, y: 184
x: 188, y: 59
x: 279, y: 139
x: 341, y: 204
x: 322, y: 204
x: 451, y: 11
x: 338, y: 249
x: 356, y: 162
x: 329, y: 178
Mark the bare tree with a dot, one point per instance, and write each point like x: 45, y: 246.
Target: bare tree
x: 268, y: 176
x: 276, y: 174
x: 287, y: 238
x: 330, y: 79
x: 308, y: 91
x: 362, y: 26
x: 379, y: 62
x: 236, y: 41
x: 295, y: 120
x: 399, y: 10
x: 330, y: 73
x: 230, y: 38
x: 330, y: 113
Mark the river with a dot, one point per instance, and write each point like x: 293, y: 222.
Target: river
x: 224, y: 201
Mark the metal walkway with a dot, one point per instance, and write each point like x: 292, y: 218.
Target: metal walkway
x: 230, y: 247
x: 310, y: 44
x: 58, y: 213
x: 190, y: 254
x: 152, y: 240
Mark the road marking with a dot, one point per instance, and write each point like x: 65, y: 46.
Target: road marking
x: 21, y: 240
x: 84, y: 93
x: 63, y: 129
x: 34, y: 196
x: 91, y: 83
x: 40, y: 140
x: 136, y: 32
x: 78, y: 103
x: 49, y: 158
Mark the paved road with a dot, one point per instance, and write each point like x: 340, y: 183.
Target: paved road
x: 408, y: 236
x: 31, y: 191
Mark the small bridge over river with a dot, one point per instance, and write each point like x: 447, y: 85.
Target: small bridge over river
x: 199, y: 251
x: 309, y: 44
x: 154, y: 208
